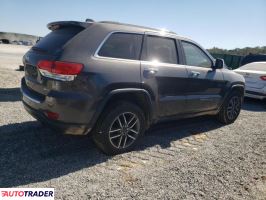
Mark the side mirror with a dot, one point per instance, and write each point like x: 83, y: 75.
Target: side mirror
x: 219, y: 64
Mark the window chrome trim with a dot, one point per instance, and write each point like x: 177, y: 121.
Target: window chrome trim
x: 96, y: 55
x: 166, y: 35
x: 147, y: 33
x: 162, y: 34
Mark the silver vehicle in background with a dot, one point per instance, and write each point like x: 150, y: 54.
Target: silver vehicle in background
x: 255, y: 77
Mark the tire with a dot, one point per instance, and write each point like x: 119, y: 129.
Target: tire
x: 230, y: 108
x: 119, y: 128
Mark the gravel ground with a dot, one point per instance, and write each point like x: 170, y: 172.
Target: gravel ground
x: 186, y: 159
x: 11, y: 55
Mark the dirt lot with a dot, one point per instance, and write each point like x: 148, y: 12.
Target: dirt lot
x: 188, y: 159
x: 11, y: 55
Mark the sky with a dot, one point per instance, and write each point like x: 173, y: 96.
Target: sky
x: 221, y: 23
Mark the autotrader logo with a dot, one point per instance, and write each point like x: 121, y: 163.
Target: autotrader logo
x: 27, y: 193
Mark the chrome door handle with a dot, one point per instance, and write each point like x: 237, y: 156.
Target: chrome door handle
x: 194, y: 74
x: 150, y: 72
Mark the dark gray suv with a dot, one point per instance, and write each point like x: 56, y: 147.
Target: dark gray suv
x: 114, y: 80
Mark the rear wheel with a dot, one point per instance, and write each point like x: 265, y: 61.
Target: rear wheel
x: 231, y: 108
x: 119, y: 128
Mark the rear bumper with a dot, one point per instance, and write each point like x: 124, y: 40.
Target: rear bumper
x: 73, y: 109
x: 65, y: 128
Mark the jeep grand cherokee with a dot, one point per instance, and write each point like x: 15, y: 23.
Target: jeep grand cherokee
x: 114, y: 80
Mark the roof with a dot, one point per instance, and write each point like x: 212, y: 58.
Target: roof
x: 55, y: 25
x: 136, y: 26
x: 142, y: 28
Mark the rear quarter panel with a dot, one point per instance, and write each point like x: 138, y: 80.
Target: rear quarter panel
x: 100, y: 75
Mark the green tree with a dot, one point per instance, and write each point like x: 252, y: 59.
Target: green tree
x: 240, y: 52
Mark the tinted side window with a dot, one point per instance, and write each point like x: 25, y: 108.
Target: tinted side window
x: 195, y: 56
x: 160, y: 49
x: 122, y: 45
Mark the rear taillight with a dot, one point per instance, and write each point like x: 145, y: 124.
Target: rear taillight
x: 263, y: 78
x: 60, y: 70
x: 66, y: 68
x: 52, y: 115
x: 45, y: 65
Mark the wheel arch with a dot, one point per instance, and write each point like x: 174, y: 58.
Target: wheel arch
x: 140, y: 97
x: 233, y: 87
x: 238, y: 87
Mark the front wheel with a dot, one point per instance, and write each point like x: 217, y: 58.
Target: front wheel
x: 231, y: 108
x: 119, y: 128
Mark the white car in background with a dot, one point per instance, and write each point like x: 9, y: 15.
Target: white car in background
x: 255, y: 76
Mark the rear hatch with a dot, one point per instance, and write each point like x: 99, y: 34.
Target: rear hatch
x: 49, y: 48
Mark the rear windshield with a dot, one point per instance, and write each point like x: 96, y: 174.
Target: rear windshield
x: 56, y: 39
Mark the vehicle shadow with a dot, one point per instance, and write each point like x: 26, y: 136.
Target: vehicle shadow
x: 164, y: 133
x: 254, y: 105
x: 31, y: 153
x: 10, y: 94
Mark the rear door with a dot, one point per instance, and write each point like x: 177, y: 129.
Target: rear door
x: 162, y: 74
x: 205, y: 84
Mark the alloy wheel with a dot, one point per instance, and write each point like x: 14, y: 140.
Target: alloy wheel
x: 233, y: 107
x: 124, y: 130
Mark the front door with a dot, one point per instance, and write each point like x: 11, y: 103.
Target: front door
x: 205, y: 84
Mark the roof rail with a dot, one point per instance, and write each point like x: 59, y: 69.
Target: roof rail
x: 119, y: 23
x: 110, y: 22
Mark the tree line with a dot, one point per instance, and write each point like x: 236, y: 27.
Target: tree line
x: 239, y: 51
